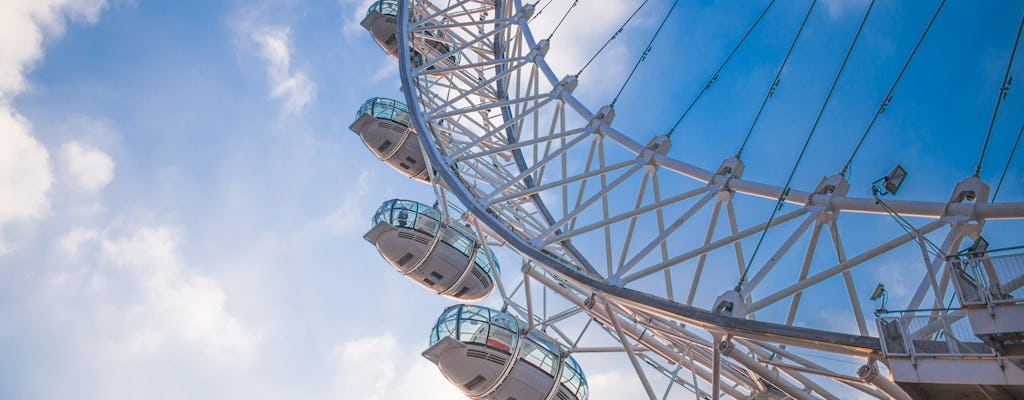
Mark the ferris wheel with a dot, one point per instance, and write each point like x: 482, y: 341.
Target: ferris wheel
x: 702, y: 278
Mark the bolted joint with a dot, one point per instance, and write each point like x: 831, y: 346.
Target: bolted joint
x: 730, y: 304
x: 657, y: 145
x: 540, y: 50
x: 602, y: 117
x: 564, y: 87
x: 971, y: 189
x: 868, y: 372
x: 834, y: 185
x: 589, y: 302
x: 725, y: 346
x: 731, y: 167
x: 525, y: 12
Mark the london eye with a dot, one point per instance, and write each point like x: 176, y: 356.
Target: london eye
x: 708, y: 233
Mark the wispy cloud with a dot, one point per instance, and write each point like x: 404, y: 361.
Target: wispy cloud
x: 575, y: 42
x: 356, y: 10
x: 173, y: 306
x: 274, y: 47
x: 391, y: 375
x: 838, y: 8
x: 129, y: 315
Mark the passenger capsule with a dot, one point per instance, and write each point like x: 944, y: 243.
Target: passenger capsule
x: 382, y: 22
x: 383, y: 124
x: 447, y: 259
x: 484, y: 353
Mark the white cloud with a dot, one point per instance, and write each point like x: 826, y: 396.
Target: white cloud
x: 377, y: 367
x: 124, y: 315
x: 619, y: 384
x: 274, y: 42
x: 87, y: 168
x: 70, y: 243
x: 24, y: 24
x: 837, y: 8
x: 347, y: 217
x: 576, y: 41
x: 387, y: 70
x: 171, y: 306
x: 351, y: 28
x: 25, y: 175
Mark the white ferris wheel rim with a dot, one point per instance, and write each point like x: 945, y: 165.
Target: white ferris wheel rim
x: 841, y: 343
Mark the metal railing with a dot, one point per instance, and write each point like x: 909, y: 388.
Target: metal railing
x: 986, y: 279
x: 929, y: 333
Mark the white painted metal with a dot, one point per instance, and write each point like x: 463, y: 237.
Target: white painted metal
x: 502, y: 132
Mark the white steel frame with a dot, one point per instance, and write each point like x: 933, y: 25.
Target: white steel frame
x: 504, y: 135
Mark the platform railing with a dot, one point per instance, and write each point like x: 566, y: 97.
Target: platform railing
x: 928, y: 333
x: 987, y: 278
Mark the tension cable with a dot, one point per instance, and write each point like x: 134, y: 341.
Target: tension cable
x: 1003, y: 91
x: 714, y: 76
x: 775, y: 81
x: 647, y: 50
x: 613, y: 37
x: 888, y: 95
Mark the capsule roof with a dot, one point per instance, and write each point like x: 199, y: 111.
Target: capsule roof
x: 385, y: 108
x: 408, y: 214
x: 386, y: 7
x: 501, y: 331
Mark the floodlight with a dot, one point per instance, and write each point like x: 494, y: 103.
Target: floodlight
x: 878, y: 292
x: 894, y: 179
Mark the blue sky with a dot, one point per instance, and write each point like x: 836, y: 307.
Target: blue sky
x: 183, y: 202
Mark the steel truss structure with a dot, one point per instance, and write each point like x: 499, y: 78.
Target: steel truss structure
x: 606, y: 223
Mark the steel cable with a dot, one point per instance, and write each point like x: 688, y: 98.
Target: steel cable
x: 613, y: 37
x: 807, y: 141
x: 714, y: 76
x: 1007, y: 166
x: 888, y: 95
x: 775, y: 81
x: 647, y: 50
x: 1003, y: 90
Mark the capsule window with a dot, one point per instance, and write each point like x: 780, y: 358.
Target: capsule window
x: 539, y: 356
x: 458, y: 240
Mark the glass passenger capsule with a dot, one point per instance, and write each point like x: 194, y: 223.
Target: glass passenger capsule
x: 383, y: 125
x: 483, y: 352
x: 382, y: 22
x: 447, y: 259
